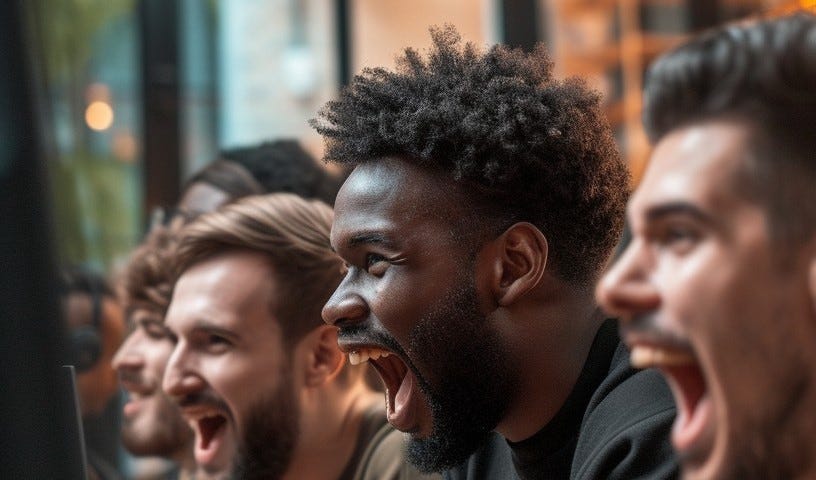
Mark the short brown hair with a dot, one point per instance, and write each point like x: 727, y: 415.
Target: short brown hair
x: 292, y: 233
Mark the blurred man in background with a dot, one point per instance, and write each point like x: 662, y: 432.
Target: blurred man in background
x: 278, y: 166
x: 254, y: 369
x: 152, y: 422
x: 96, y: 327
x: 718, y: 286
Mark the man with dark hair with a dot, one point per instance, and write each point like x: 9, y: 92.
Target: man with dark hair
x: 279, y: 166
x: 718, y: 287
x: 485, y: 199
x: 256, y: 372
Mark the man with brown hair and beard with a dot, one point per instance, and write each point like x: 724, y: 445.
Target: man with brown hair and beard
x: 152, y: 423
x: 254, y: 369
x: 485, y: 199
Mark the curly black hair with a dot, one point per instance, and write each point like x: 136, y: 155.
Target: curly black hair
x: 537, y: 149
x: 277, y: 166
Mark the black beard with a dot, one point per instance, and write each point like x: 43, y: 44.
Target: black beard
x: 270, y: 434
x: 474, y: 380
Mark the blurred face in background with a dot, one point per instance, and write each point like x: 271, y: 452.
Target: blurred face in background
x: 727, y: 314
x: 152, y: 422
x: 98, y: 384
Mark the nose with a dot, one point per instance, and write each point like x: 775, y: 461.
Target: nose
x: 180, y: 377
x: 345, y: 307
x: 627, y: 290
x: 129, y: 357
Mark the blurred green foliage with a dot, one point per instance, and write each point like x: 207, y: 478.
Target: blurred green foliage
x: 96, y: 197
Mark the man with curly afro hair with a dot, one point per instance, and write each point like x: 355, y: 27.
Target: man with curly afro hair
x: 485, y: 199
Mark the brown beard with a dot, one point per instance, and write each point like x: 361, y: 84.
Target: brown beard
x: 270, y: 434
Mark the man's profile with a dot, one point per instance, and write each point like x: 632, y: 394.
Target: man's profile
x: 152, y: 423
x: 254, y: 369
x: 486, y: 197
x: 718, y: 287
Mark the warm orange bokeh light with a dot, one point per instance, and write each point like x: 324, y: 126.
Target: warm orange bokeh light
x: 99, y: 116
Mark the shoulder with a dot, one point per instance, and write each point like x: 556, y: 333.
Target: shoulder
x: 494, y: 459
x: 626, y: 429
x: 384, y: 459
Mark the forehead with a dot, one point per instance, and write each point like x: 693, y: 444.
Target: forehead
x: 230, y: 288
x: 144, y: 312
x: 393, y: 194
x: 701, y: 164
x: 202, y: 197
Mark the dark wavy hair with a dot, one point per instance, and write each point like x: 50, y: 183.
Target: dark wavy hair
x: 761, y: 74
x: 526, y: 146
x: 278, y: 166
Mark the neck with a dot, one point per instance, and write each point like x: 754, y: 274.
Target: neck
x: 329, y: 430
x: 553, y: 332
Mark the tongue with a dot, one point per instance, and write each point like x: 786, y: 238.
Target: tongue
x: 403, y: 417
x: 694, y: 412
x: 210, y: 441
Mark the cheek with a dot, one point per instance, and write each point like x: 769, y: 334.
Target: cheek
x: 699, y: 289
x: 397, y: 306
x: 156, y: 359
x: 242, y: 383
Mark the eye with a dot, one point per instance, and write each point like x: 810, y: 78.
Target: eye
x: 155, y: 331
x: 376, y: 264
x: 217, y: 342
x: 679, y: 238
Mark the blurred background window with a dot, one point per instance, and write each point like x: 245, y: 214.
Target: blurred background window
x: 88, y: 58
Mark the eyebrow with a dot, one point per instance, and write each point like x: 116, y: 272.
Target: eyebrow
x: 368, y: 238
x: 677, y: 208
x: 210, y: 327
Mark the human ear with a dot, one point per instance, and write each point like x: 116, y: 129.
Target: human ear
x: 519, y: 262
x: 324, y: 360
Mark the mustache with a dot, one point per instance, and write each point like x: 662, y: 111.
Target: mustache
x: 648, y: 327
x: 364, y: 334
x: 202, y: 398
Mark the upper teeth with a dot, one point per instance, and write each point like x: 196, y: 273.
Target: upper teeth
x: 196, y: 417
x: 643, y: 356
x: 357, y: 357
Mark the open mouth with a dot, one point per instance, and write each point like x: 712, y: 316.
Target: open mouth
x: 688, y: 385
x: 133, y: 404
x: 211, y: 432
x: 402, y: 394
